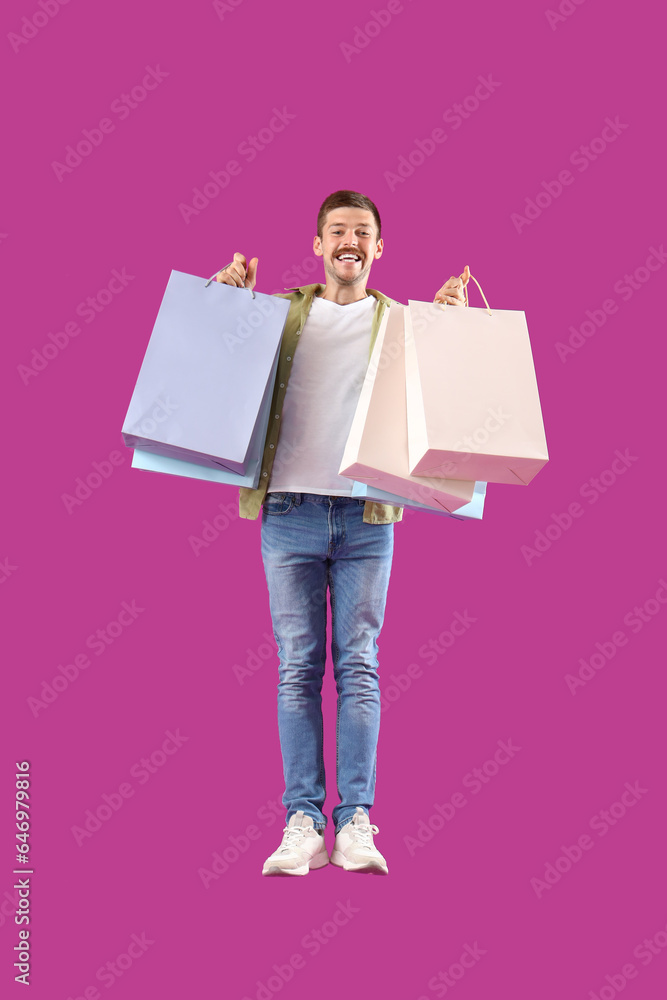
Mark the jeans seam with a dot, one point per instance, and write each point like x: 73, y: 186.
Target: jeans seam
x: 322, y: 774
x: 334, y: 658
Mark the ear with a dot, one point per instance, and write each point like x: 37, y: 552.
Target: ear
x: 317, y: 246
x: 378, y: 249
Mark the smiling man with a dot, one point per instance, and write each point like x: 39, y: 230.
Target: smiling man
x: 316, y: 537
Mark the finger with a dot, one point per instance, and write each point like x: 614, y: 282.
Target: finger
x: 251, y: 276
x: 224, y: 278
x: 237, y: 269
x: 465, y: 277
x: 236, y: 274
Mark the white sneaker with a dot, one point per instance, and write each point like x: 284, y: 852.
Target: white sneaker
x: 354, y: 849
x: 302, y: 848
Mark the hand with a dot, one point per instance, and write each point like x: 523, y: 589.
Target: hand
x: 452, y: 291
x: 239, y: 272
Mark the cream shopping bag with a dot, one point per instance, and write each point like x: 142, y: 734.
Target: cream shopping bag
x: 472, y: 399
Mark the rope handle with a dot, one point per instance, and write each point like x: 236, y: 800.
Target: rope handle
x: 224, y: 269
x: 488, y: 308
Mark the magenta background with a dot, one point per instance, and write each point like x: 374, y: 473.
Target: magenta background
x: 173, y: 669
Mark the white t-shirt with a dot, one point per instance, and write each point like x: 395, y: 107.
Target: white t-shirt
x: 322, y: 394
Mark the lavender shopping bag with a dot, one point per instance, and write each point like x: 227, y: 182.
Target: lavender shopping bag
x: 205, y: 385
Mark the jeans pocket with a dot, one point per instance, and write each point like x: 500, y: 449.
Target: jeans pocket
x: 278, y: 503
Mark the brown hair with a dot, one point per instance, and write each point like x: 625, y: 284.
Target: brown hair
x: 347, y: 199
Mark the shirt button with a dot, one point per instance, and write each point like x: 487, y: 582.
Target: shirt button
x: 265, y: 473
x: 288, y: 359
x: 277, y: 416
x: 271, y: 446
x: 282, y: 385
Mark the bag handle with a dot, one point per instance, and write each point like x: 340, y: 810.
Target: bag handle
x: 218, y: 272
x: 488, y: 308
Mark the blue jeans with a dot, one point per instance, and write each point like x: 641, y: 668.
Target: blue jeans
x: 311, y: 542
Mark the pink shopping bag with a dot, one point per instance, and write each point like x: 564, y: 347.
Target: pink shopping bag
x: 472, y: 400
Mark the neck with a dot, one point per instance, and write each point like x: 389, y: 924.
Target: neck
x: 343, y: 294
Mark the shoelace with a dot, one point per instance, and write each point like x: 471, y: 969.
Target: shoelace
x: 362, y: 833
x: 293, y: 834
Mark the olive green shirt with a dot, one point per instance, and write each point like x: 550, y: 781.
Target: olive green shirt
x: 250, y: 501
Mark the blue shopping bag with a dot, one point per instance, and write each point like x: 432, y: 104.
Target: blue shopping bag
x: 472, y: 511
x: 152, y: 462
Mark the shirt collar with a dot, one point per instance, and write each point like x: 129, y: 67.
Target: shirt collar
x: 310, y: 291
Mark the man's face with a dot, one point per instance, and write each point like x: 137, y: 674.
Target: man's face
x: 349, y: 245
